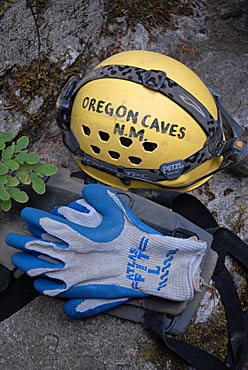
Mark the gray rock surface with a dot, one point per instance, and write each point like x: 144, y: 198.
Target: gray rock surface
x: 65, y: 31
x: 214, y: 43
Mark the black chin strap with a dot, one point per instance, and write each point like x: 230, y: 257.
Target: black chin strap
x: 225, y: 242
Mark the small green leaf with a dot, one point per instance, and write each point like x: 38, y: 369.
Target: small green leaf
x: 18, y: 195
x: 6, y: 205
x: 21, y: 157
x: 26, y: 166
x: 46, y: 169
x: 21, y: 143
x: 8, y: 152
x: 2, y: 144
x: 6, y: 136
x: 3, y: 180
x: 12, y: 181
x: 37, y: 184
x: 32, y: 158
x: 36, y: 169
x: 23, y: 176
x: 4, y: 195
x: 12, y: 164
x: 3, y: 169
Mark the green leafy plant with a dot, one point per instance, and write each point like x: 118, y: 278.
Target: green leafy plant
x: 18, y: 166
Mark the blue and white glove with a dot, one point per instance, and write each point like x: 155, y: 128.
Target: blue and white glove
x: 122, y: 257
x: 82, y: 214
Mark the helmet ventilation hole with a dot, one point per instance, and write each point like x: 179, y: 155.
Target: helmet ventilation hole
x: 95, y: 149
x: 149, y: 147
x: 86, y: 130
x: 104, y: 136
x: 135, y: 160
x: 114, y: 155
x: 125, y: 141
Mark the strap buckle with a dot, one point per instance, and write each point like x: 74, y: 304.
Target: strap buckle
x: 153, y: 79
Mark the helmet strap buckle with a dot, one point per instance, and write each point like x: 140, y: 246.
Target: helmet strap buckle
x: 153, y: 79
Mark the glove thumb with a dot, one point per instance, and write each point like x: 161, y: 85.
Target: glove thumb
x: 79, y: 308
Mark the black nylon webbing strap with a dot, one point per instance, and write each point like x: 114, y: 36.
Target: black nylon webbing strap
x: 233, y: 245
x: 234, y: 314
x: 195, y: 356
x: 19, y: 293
x: 185, y: 204
x: 5, y: 277
x: 225, y: 242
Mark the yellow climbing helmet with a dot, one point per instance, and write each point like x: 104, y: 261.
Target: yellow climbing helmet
x: 143, y: 119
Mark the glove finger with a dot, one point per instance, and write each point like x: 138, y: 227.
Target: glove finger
x: 54, y: 288
x: 63, y: 229
x: 29, y: 243
x: 79, y: 212
x: 79, y: 308
x: 99, y: 291
x: 32, y: 265
x: 38, y: 230
x: 35, y: 231
x: 56, y: 226
x: 113, y: 209
x: 100, y: 199
x: 48, y: 287
x: 18, y: 241
x: 35, y: 217
x: 78, y: 206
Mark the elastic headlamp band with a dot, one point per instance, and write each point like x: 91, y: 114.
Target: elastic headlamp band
x: 157, y: 80
x: 126, y: 175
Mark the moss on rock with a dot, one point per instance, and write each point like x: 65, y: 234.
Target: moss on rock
x: 150, y: 13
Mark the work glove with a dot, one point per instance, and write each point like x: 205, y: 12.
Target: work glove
x: 120, y: 258
x: 82, y: 214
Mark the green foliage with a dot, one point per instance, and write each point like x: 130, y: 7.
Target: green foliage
x: 18, y: 166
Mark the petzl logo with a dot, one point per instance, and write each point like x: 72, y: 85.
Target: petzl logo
x: 172, y: 170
